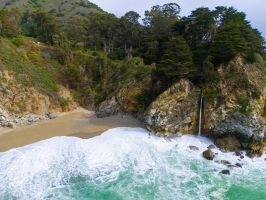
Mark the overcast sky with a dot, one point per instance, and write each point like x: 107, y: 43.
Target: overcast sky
x: 255, y: 9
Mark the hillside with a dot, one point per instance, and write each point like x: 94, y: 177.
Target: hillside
x: 29, y: 78
x: 59, y: 8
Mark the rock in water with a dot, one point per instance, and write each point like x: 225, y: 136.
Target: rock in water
x: 239, y: 165
x: 225, y: 172
x: 193, y: 148
x: 211, y: 146
x: 208, y: 154
x: 255, y: 149
x: 225, y: 162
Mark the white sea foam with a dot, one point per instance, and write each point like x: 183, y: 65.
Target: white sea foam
x: 162, y: 168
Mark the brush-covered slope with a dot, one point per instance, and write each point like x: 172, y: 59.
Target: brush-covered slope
x: 60, y: 8
x: 29, y: 78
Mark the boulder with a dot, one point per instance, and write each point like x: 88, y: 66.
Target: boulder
x: 193, y: 148
x: 125, y: 100
x: 10, y: 125
x: 225, y: 162
x: 255, y: 149
x: 225, y: 172
x: 108, y: 108
x: 240, y: 126
x: 51, y: 115
x: 229, y: 143
x: 175, y: 110
x: 211, y: 146
x: 208, y: 154
x: 238, y: 165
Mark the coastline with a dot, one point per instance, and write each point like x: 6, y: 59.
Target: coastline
x: 78, y: 123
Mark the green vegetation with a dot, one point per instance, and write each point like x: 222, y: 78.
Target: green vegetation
x: 95, y: 53
x: 26, y: 70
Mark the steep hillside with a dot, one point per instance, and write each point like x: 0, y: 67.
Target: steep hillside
x: 29, y: 78
x: 60, y: 8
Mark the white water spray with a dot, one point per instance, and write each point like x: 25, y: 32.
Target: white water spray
x: 143, y: 167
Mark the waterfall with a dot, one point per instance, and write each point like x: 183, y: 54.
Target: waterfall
x: 200, y: 113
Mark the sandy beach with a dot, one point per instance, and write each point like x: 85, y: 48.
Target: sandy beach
x: 79, y: 123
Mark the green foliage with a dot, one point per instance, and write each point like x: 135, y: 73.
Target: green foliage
x: 64, y: 103
x: 24, y: 56
x: 27, y: 72
x: 222, y: 33
x: 43, y: 26
x: 9, y: 23
x: 245, y: 105
x: 176, y: 61
x: 95, y: 53
x: 208, y: 73
x: 144, y: 99
x: 210, y: 93
x: 160, y: 19
x: 18, y: 41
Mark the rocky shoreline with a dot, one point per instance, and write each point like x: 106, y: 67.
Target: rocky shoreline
x: 234, y: 113
x: 8, y: 120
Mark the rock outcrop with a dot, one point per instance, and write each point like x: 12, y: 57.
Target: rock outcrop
x: 20, y: 100
x: 109, y: 107
x: 238, y: 108
x: 241, y: 126
x: 234, y: 108
x: 125, y: 100
x: 175, y: 110
x: 208, y: 154
x: 22, y: 105
x: 12, y: 120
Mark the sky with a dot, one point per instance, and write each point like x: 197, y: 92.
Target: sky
x: 255, y: 9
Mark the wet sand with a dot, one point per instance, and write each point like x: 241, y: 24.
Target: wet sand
x: 79, y: 123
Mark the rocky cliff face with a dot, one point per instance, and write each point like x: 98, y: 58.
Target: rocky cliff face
x: 26, y: 105
x: 125, y: 100
x: 175, y: 110
x: 234, y: 108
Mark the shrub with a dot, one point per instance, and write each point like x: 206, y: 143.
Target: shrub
x: 18, y: 41
x: 64, y: 102
x: 24, y: 56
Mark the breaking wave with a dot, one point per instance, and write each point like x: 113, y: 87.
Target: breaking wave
x: 127, y: 163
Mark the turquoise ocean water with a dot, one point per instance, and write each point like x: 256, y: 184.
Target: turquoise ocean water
x: 128, y: 164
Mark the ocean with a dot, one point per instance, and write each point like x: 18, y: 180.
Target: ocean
x: 127, y: 164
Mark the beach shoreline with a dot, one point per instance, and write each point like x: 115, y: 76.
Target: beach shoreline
x: 78, y: 123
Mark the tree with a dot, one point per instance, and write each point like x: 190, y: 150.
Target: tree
x: 76, y: 30
x: 130, y: 31
x: 235, y: 36
x: 44, y: 26
x: 201, y: 26
x: 132, y: 17
x: 160, y: 19
x: 10, y: 23
x: 176, y: 61
x: 101, y: 31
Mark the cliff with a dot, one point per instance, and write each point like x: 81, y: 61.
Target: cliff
x: 234, y: 107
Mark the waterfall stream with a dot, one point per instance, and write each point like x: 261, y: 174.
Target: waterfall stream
x: 200, y: 114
